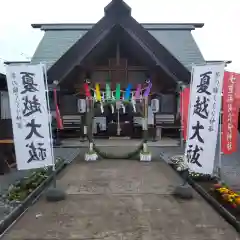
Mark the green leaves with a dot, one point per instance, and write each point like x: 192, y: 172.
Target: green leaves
x: 22, y: 188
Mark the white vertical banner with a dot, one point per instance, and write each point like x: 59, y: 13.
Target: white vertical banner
x: 203, y: 121
x: 30, y: 116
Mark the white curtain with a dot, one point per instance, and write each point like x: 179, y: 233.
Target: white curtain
x: 5, y: 106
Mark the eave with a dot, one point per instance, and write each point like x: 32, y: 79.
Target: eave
x: 16, y: 62
x: 88, y: 26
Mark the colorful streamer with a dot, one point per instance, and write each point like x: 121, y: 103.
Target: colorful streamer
x: 128, y: 92
x: 118, y: 92
x: 148, y: 89
x: 138, y: 91
x: 108, y: 91
x: 98, y: 94
x: 87, y: 90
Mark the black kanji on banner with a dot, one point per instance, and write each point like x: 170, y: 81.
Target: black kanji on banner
x: 193, y: 154
x: 33, y: 129
x: 36, y: 153
x: 196, y: 133
x: 31, y: 106
x: 28, y: 82
x: 204, y: 83
x: 201, y: 107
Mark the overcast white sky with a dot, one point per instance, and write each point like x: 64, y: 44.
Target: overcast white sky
x: 219, y: 39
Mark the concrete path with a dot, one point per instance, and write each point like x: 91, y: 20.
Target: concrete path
x: 169, y: 147
x: 120, y: 199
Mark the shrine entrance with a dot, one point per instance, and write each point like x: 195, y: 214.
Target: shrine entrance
x: 120, y: 124
x: 118, y: 59
x: 117, y: 123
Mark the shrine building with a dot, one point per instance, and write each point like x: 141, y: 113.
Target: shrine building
x: 118, y: 49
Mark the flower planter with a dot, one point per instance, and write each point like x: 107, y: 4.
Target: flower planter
x: 225, y: 204
x: 222, y: 208
x: 29, y: 200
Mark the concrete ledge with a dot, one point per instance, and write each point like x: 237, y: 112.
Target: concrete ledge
x: 21, y: 208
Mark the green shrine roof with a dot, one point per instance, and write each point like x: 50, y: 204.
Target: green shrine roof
x: 175, y: 37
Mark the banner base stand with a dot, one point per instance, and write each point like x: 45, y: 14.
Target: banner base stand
x: 55, y: 194
x: 183, y: 192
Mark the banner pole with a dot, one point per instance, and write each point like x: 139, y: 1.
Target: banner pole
x: 50, y: 126
x: 182, y: 113
x: 220, y: 146
x: 52, y: 194
x: 219, y: 169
